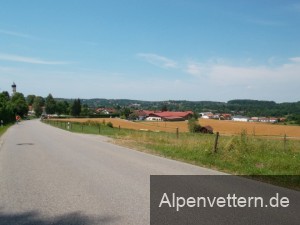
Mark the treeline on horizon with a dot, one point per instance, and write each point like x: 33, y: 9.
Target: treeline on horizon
x: 242, y: 107
x: 245, y: 107
x: 17, y: 104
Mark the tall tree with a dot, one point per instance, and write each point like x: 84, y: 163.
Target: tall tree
x: 76, y: 108
x: 164, y: 108
x: 85, y: 110
x: 30, y: 99
x: 62, y: 107
x: 38, y: 104
x: 19, y: 104
x: 50, y: 104
x: 6, y: 111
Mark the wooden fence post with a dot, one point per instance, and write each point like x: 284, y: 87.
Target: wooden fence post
x: 284, y: 142
x: 119, y: 127
x: 177, y: 132
x: 216, y: 142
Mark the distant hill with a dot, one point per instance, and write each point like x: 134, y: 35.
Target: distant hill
x: 238, y: 106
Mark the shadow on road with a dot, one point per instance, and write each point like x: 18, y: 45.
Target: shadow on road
x: 33, y: 218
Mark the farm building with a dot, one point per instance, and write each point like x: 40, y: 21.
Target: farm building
x: 240, y: 118
x: 172, y: 116
x: 153, y: 118
x: 106, y: 111
x: 206, y: 115
x: 225, y: 116
x: 143, y: 114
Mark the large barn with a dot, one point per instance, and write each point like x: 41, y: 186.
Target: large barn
x: 172, y: 116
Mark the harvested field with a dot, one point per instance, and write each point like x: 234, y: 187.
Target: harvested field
x: 225, y: 127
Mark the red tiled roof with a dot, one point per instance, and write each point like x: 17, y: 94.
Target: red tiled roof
x: 144, y: 112
x: 172, y: 114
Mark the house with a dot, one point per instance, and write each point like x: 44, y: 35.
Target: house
x: 143, y: 114
x: 172, y: 116
x: 225, y: 116
x: 273, y: 120
x: 239, y: 118
x: 263, y: 120
x: 282, y: 119
x: 206, y: 115
x: 106, y: 111
x: 31, y: 111
x: 153, y: 118
x: 216, y: 116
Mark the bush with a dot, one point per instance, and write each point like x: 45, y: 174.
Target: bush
x: 109, y: 124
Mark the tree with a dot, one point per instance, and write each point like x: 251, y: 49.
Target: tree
x: 30, y: 99
x: 19, y: 104
x: 38, y: 103
x: 62, y: 107
x: 85, y: 110
x: 133, y: 116
x: 76, y: 108
x: 194, y: 125
x: 164, y: 108
x: 6, y: 111
x: 50, y: 105
x: 196, y: 115
x: 125, y: 112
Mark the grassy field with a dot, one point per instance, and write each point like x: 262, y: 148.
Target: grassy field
x: 240, y: 154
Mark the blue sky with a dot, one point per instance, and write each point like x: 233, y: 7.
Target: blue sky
x: 152, y: 50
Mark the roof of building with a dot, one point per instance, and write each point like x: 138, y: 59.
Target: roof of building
x: 145, y: 112
x: 172, y: 114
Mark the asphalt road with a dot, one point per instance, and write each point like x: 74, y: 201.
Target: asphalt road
x: 52, y: 176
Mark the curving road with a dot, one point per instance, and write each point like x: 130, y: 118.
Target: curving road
x: 52, y: 176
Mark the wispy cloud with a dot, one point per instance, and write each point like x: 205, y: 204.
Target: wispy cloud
x: 226, y: 74
x: 295, y: 59
x: 158, y: 60
x: 25, y: 59
x: 196, y: 69
x: 16, y: 34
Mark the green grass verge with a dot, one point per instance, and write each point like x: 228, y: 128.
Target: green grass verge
x: 4, y: 129
x: 278, y: 161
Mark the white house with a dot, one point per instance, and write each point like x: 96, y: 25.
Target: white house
x: 206, y: 115
x: 240, y: 118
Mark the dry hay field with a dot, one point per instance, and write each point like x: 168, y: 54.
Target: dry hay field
x: 225, y: 127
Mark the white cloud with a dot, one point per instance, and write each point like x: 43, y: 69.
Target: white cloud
x: 24, y: 59
x: 16, y: 34
x: 158, y: 60
x: 295, y: 59
x: 221, y: 81
x: 194, y: 69
x: 225, y: 74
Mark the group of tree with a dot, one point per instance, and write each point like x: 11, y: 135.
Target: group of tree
x: 242, y: 107
x: 12, y: 106
x: 51, y: 106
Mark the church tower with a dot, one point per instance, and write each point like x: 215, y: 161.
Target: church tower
x: 14, y: 88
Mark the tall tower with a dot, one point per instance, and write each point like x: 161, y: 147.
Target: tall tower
x: 14, y: 88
